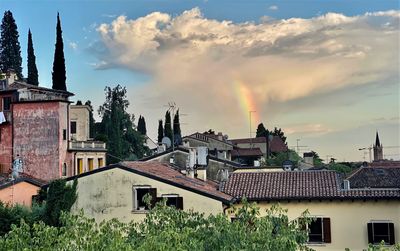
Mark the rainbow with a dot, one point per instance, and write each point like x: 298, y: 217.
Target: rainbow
x: 246, y: 102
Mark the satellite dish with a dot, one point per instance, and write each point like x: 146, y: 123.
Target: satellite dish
x: 287, y: 165
x: 166, y: 141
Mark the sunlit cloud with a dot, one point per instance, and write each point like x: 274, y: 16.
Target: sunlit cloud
x: 199, y: 62
x: 273, y: 7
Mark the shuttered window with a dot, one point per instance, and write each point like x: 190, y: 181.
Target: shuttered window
x: 381, y: 231
x: 319, y: 230
x: 139, y: 192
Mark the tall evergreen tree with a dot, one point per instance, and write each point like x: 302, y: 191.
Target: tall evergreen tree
x: 160, y: 131
x: 280, y: 134
x: 167, y: 126
x: 59, y: 73
x: 261, y: 131
x: 141, y: 127
x: 10, y: 49
x: 92, y: 122
x: 177, y: 129
x: 32, y: 69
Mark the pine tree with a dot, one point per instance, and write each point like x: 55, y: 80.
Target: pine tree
x: 10, y: 49
x: 59, y: 73
x: 141, y: 127
x: 177, y: 129
x: 32, y: 69
x: 167, y: 126
x: 261, y: 131
x: 160, y: 131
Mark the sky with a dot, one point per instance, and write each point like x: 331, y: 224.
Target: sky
x: 326, y: 72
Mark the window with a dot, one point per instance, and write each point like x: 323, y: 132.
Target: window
x: 173, y: 200
x: 381, y: 231
x: 90, y: 164
x: 64, y: 170
x: 73, y: 127
x: 319, y: 230
x: 100, y: 162
x: 139, y: 193
x: 6, y: 103
x: 80, y: 166
x: 64, y: 134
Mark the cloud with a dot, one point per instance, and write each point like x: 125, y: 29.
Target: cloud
x: 273, y: 7
x: 201, y: 63
x: 73, y: 45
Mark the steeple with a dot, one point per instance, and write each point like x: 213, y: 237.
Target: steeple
x: 377, y: 142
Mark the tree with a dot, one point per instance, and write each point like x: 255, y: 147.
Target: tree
x: 278, y: 158
x: 92, y: 122
x: 10, y: 49
x: 160, y: 131
x: 317, y: 161
x: 32, y: 69
x: 261, y: 131
x: 59, y: 73
x: 141, y: 127
x: 177, y: 129
x: 280, y: 133
x: 123, y: 142
x: 167, y: 126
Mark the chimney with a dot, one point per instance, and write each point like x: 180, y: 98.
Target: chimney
x: 308, y: 158
x: 220, y: 136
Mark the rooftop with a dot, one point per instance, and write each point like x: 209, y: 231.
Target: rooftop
x: 6, y: 181
x: 276, y: 144
x: 247, y: 152
x: 304, y: 185
x: 375, y: 177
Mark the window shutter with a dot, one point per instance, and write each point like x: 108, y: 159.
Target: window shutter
x: 391, y: 234
x: 370, y: 233
x: 326, y: 224
x: 179, y: 203
x: 153, y: 194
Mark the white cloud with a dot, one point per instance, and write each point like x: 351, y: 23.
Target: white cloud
x: 73, y: 45
x: 273, y: 7
x: 199, y: 63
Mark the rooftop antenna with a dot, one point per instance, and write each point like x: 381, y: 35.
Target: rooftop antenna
x: 251, y: 141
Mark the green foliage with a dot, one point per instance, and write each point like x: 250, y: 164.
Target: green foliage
x: 32, y: 69
x: 141, y: 127
x: 165, y: 228
x: 279, y: 133
x: 12, y: 215
x: 317, y: 161
x: 160, y: 131
x: 339, y: 168
x: 168, y: 126
x: 60, y: 197
x: 59, y: 73
x: 123, y: 142
x: 261, y: 131
x: 92, y: 122
x: 177, y: 129
x: 10, y: 49
x: 277, y: 159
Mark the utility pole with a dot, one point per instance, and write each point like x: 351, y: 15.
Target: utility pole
x: 251, y: 140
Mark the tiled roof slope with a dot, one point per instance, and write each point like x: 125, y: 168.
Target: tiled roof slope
x: 166, y: 173
x: 297, y: 186
x: 246, y: 152
x: 5, y: 180
x: 375, y: 177
x: 277, y: 145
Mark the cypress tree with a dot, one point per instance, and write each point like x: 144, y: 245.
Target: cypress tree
x: 59, y: 73
x: 177, y: 129
x: 10, y: 49
x: 167, y: 126
x: 160, y: 131
x: 261, y: 131
x: 32, y: 69
x: 142, y: 125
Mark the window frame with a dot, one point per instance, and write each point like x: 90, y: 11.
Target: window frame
x: 326, y: 232
x: 372, y: 236
x: 8, y: 104
x: 73, y: 132
x: 178, y: 202
x: 135, y: 203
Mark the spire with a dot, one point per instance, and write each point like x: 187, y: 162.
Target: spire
x: 377, y: 142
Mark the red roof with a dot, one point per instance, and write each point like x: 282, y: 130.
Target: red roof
x: 163, y: 172
x: 277, y: 145
x: 298, y: 185
x: 246, y: 152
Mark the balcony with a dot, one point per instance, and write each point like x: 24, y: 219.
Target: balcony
x: 87, y: 146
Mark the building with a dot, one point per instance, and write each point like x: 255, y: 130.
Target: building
x: 19, y: 190
x: 219, y: 146
x: 375, y: 177
x: 378, y: 149
x: 266, y: 146
x: 117, y: 191
x: 35, y: 128
x: 370, y: 215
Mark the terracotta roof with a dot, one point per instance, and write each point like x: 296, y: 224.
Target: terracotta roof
x: 277, y: 145
x: 246, y: 152
x: 5, y: 180
x: 375, y: 177
x: 307, y: 185
x: 19, y: 85
x: 384, y: 163
x: 166, y: 173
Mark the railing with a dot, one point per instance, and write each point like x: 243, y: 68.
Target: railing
x: 89, y: 145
